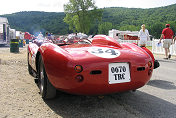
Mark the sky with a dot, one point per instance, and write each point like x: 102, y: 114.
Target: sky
x: 12, y: 6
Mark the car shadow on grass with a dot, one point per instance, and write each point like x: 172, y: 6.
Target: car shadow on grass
x: 120, y: 105
x: 162, y: 84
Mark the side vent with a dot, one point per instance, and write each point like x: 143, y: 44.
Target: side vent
x: 140, y: 68
x: 95, y: 72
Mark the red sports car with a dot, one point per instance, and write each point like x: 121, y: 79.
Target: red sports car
x: 84, y: 67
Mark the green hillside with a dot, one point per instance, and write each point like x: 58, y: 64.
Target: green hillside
x: 132, y: 18
x: 120, y: 18
x: 38, y: 21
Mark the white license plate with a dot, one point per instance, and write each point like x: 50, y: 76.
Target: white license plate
x: 119, y: 73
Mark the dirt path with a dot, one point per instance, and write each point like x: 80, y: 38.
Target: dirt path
x: 19, y: 96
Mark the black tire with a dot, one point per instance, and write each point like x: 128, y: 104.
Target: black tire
x: 29, y: 67
x: 47, y: 90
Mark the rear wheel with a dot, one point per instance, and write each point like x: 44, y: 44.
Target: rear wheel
x: 47, y: 90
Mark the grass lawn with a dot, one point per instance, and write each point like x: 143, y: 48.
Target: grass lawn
x: 149, y: 47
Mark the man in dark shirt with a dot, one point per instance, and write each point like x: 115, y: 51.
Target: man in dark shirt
x: 167, y: 35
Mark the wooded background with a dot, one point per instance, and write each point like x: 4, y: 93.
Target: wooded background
x: 112, y: 18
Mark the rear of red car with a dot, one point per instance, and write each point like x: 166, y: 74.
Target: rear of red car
x: 96, y: 70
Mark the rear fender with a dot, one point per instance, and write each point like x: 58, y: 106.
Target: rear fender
x: 149, y: 52
x: 31, y: 53
x: 155, y: 62
x: 134, y: 45
x: 56, y: 61
x: 143, y: 50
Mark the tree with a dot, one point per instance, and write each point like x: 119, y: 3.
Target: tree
x: 80, y: 15
x: 156, y: 30
x: 129, y: 27
x: 104, y: 28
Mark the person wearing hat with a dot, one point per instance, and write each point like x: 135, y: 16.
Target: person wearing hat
x: 143, y: 36
x: 167, y: 35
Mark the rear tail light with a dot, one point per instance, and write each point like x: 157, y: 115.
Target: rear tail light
x: 149, y: 72
x: 150, y: 64
x: 78, y: 68
x: 79, y: 78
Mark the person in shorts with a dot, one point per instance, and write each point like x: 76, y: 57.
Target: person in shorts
x: 167, y: 35
x: 143, y: 36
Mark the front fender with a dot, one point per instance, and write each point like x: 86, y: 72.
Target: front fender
x: 32, y: 50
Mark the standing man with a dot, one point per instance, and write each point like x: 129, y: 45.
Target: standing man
x: 167, y: 35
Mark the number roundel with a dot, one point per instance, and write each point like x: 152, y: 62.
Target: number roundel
x: 104, y: 52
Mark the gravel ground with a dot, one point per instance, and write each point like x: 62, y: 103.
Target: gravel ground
x: 19, y: 97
